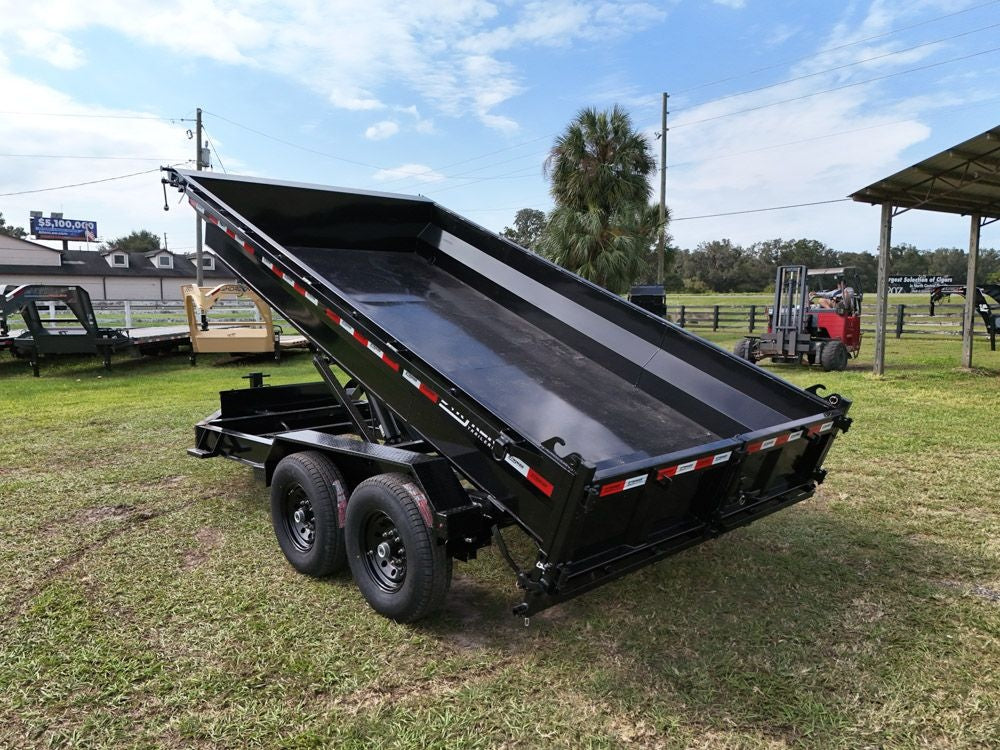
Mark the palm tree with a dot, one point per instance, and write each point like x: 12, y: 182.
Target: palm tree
x: 602, y: 226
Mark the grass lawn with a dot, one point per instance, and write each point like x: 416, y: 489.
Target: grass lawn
x: 145, y: 603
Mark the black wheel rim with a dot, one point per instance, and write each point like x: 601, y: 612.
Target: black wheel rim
x: 300, y: 523
x: 383, y: 552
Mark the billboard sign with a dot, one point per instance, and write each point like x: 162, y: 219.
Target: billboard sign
x: 917, y: 283
x: 47, y: 228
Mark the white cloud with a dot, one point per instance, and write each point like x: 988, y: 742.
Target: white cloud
x: 381, y: 130
x: 446, y: 51
x: 418, y: 172
x: 735, y: 4
x: 49, y: 46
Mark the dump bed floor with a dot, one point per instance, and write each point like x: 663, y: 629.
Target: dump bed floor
x: 531, y: 380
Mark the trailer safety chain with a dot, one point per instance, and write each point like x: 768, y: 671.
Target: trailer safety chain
x: 505, y: 553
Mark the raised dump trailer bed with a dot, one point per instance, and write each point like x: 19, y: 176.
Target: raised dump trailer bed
x: 488, y: 387
x: 74, y: 329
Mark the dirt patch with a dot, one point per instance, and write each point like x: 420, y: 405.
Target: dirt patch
x: 165, y: 482
x: 89, y: 516
x: 206, y: 540
x: 990, y: 595
x: 367, y: 699
x: 476, y: 617
x: 976, y: 590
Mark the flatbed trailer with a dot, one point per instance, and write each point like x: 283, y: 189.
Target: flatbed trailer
x: 77, y: 331
x: 486, y: 387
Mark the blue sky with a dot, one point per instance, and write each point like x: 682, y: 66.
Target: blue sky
x: 460, y: 100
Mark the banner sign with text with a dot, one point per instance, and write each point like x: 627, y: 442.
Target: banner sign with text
x: 917, y: 283
x: 47, y: 228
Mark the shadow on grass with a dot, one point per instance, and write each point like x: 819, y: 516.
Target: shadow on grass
x: 789, y: 627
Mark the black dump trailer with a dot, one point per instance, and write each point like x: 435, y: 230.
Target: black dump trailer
x: 486, y: 388
x: 75, y: 330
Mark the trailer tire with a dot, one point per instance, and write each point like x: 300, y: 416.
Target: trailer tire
x: 833, y: 356
x: 744, y: 349
x: 400, y: 568
x: 307, y: 492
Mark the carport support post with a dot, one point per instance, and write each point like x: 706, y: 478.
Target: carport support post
x: 970, y: 291
x: 882, y: 291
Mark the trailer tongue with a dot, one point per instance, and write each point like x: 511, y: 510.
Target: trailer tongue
x: 486, y: 388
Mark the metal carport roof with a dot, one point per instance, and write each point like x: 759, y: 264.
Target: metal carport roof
x: 964, y: 179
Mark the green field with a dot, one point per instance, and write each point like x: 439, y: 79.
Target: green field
x: 144, y: 602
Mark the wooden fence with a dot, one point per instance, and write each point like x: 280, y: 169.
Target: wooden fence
x: 902, y: 319
x: 142, y: 314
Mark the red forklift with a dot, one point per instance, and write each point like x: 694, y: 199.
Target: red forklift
x: 815, y: 319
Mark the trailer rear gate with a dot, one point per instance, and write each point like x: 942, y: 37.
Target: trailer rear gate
x: 610, y: 436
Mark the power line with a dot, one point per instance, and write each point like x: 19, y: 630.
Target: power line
x: 88, y: 182
x: 758, y: 210
x: 838, y: 67
x: 293, y: 145
x: 481, y: 156
x: 839, y: 88
x: 834, y: 49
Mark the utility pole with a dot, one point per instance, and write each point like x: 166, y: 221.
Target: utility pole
x: 199, y: 276
x: 661, y: 250
x: 165, y: 246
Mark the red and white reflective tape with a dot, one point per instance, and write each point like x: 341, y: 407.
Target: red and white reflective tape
x: 613, y: 488
x: 337, y: 320
x: 413, y: 380
x: 290, y: 281
x: 763, y: 445
x: 209, y: 217
x: 818, y: 428
x: 382, y: 355
x: 694, y: 465
x: 543, y: 484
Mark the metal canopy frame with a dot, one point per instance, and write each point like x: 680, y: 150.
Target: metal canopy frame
x: 962, y: 180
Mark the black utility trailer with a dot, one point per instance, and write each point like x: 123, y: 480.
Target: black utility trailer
x: 990, y: 313
x: 651, y: 297
x: 486, y: 387
x: 77, y: 331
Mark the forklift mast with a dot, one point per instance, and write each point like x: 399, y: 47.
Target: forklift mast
x: 791, y: 297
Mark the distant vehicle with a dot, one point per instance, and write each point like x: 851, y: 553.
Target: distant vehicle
x: 233, y: 330
x: 649, y: 297
x: 75, y: 330
x: 989, y: 312
x: 815, y: 319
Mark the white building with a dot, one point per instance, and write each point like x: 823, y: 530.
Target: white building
x: 107, y: 275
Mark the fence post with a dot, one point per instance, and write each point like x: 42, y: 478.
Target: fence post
x: 128, y: 314
x: 715, y: 318
x: 52, y: 311
x: 900, y: 314
x: 682, y: 321
x: 753, y: 318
